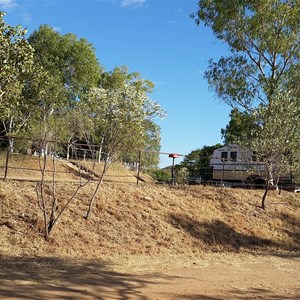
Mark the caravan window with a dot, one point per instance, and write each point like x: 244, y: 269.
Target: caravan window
x: 224, y: 155
x: 233, y: 155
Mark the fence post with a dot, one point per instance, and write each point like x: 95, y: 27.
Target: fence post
x: 139, y: 168
x: 173, y: 156
x: 172, y: 171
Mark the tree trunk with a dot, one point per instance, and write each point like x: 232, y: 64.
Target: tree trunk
x: 46, y: 149
x: 100, y: 150
x: 263, y: 202
x: 93, y: 197
x: 54, y: 202
x: 68, y: 151
x: 11, y: 145
x: 106, y: 165
x: 6, y: 163
x: 41, y: 196
x: 10, y: 139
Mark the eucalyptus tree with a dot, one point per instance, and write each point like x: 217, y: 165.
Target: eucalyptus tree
x: 275, y: 140
x: 144, y: 154
x: 68, y: 70
x: 119, y: 113
x: 120, y: 76
x: 70, y: 59
x: 262, y: 67
x: 71, y: 67
x: 16, y: 66
x: 151, y: 143
x: 150, y: 139
x: 240, y: 127
x: 264, y: 43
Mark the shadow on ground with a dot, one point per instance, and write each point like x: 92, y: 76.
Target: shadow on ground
x: 54, y: 278
x: 292, y: 227
x: 218, y: 235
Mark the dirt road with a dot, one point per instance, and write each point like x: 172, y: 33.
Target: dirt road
x: 211, y: 277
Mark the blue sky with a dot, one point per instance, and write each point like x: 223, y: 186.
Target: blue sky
x: 154, y: 37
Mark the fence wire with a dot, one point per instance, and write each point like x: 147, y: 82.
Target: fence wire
x: 74, y: 161
x: 22, y: 161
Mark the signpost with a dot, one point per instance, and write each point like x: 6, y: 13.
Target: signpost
x: 173, y: 156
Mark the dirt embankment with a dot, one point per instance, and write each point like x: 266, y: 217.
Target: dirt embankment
x: 150, y: 242
x: 149, y: 219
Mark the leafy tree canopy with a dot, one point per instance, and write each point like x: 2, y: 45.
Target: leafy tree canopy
x: 70, y: 61
x: 197, y: 162
x: 264, y: 40
x: 261, y: 73
x: 276, y: 139
x: 149, y: 136
x: 239, y: 128
x: 16, y: 65
x: 121, y: 76
x: 54, y: 84
x: 121, y: 112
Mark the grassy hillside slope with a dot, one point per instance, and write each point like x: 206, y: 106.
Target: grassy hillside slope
x: 150, y: 219
x: 28, y: 167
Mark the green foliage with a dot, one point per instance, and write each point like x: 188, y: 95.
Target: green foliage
x: 264, y: 41
x: 239, y: 128
x: 181, y: 175
x: 260, y: 75
x: 70, y: 61
x: 232, y: 79
x: 121, y: 115
x: 149, y: 141
x: 276, y: 139
x: 68, y: 69
x: 16, y: 66
x: 53, y: 87
x: 161, y: 175
x: 121, y: 76
x: 197, y: 163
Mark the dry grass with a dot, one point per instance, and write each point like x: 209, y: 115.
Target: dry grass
x: 29, y: 168
x: 150, y: 219
x: 149, y: 241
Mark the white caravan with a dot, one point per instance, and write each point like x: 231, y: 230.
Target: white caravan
x: 232, y: 163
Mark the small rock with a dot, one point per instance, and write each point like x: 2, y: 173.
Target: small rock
x: 148, y: 198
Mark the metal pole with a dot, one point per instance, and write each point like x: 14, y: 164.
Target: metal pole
x: 172, y: 171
